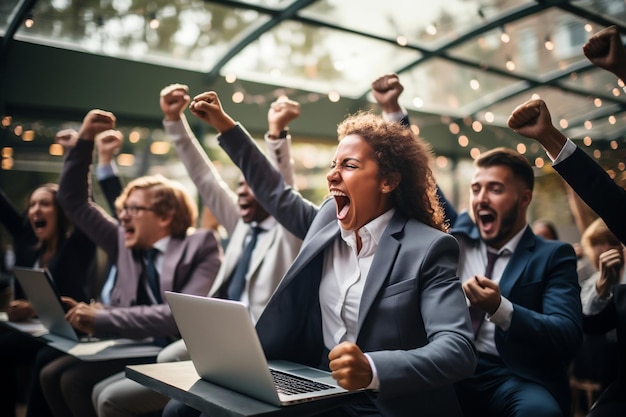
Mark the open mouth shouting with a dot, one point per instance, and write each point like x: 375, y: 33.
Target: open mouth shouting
x: 129, y: 232
x: 486, y: 219
x: 343, y: 203
x: 39, y: 224
x: 244, y: 208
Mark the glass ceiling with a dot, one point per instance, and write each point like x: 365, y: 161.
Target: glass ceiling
x: 456, y: 58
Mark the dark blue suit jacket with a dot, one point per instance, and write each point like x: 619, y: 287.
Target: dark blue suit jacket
x: 546, y: 328
x: 597, y: 189
x: 413, y: 319
x: 608, y: 200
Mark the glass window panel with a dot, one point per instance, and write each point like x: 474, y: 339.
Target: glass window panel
x: 534, y: 46
x: 601, y: 128
x: 596, y: 82
x: 563, y: 106
x: 270, y: 4
x: 7, y: 11
x: 317, y: 59
x: 189, y: 34
x: 422, y: 22
x: 440, y: 86
x: 614, y: 10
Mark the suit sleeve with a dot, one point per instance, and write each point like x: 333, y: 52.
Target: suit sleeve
x: 553, y: 326
x: 450, y: 354
x: 111, y: 188
x: 214, y: 192
x: 283, y: 203
x: 597, y: 189
x: 73, y: 196
x: 279, y: 153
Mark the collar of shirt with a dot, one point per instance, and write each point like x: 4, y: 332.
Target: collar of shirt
x: 162, y: 244
x: 370, y: 234
x: 509, y: 247
x: 266, y: 224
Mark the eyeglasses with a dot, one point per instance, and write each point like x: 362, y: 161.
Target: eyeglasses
x: 132, y: 211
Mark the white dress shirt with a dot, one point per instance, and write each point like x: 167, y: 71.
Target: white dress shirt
x: 343, y: 278
x: 473, y: 261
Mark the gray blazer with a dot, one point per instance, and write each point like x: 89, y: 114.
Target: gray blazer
x: 275, y: 250
x: 413, y: 320
x: 189, y: 265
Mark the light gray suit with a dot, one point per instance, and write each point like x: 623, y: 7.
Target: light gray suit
x: 276, y: 249
x: 413, y: 318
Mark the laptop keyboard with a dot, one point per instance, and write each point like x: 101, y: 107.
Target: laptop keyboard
x: 290, y: 384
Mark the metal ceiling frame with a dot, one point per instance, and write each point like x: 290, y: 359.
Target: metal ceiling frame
x: 525, y: 83
x: 291, y: 12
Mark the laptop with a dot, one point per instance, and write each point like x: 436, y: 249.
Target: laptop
x: 225, y: 349
x: 40, y: 290
x: 39, y: 287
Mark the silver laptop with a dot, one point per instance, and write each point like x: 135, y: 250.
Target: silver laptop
x: 225, y: 350
x: 39, y: 287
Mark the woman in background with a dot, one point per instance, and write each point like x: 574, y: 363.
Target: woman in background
x: 42, y: 238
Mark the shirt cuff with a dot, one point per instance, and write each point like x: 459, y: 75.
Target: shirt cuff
x: 177, y: 129
x: 568, y: 149
x: 276, y: 141
x: 596, y: 304
x: 375, y: 384
x: 503, y: 315
x: 107, y: 171
x: 396, y: 116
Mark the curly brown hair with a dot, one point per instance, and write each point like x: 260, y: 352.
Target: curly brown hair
x: 398, y: 151
x: 167, y: 198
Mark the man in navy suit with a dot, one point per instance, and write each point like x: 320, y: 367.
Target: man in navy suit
x: 527, y: 310
x: 528, y: 314
x: 606, y: 308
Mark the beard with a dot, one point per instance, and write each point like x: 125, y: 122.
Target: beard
x: 505, y: 231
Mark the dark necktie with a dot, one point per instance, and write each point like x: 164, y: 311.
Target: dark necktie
x: 476, y: 314
x: 238, y: 278
x: 152, y: 275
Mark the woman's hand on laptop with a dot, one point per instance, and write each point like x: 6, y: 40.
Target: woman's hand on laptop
x: 20, y: 310
x: 81, y: 316
x: 350, y: 367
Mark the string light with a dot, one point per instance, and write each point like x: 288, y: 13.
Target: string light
x: 154, y: 21
x: 548, y: 44
x: 504, y: 37
x: 29, y: 21
x: 402, y: 40
x: 510, y: 65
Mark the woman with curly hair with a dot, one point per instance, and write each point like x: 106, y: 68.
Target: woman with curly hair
x: 373, y: 295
